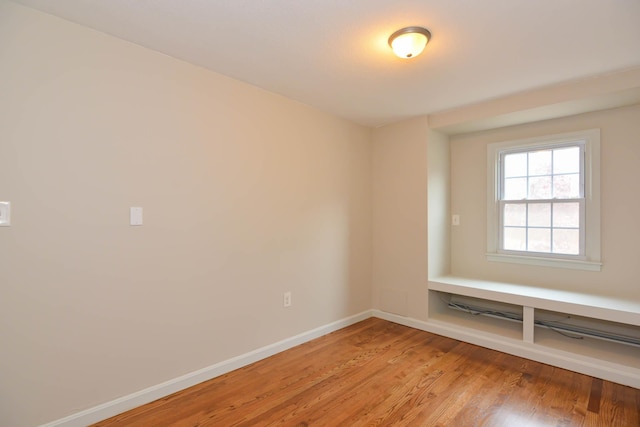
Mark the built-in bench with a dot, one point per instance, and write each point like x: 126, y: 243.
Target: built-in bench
x: 607, y: 359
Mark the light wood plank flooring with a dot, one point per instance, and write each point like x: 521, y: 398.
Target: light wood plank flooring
x: 378, y: 373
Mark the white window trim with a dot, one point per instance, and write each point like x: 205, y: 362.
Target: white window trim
x: 591, y: 137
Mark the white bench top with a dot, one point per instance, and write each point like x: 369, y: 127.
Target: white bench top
x: 576, y: 303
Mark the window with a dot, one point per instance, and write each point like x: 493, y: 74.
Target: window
x: 543, y: 201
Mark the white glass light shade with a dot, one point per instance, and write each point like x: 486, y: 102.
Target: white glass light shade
x: 409, y: 42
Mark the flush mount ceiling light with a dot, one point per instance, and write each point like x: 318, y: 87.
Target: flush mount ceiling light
x: 409, y: 42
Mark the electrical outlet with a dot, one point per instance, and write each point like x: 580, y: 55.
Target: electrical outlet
x: 287, y: 299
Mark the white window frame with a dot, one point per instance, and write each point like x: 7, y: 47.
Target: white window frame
x: 590, y: 257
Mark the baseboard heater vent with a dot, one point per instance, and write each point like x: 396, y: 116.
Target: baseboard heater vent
x: 571, y: 326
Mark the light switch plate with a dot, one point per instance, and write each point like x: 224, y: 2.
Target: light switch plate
x: 5, y: 214
x: 135, y: 216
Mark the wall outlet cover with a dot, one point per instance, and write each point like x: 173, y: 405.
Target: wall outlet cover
x: 287, y: 299
x: 135, y: 216
x: 5, y: 214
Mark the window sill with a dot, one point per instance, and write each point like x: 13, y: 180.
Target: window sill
x: 546, y: 262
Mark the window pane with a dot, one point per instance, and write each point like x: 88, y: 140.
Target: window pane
x: 540, y: 187
x: 540, y: 239
x: 515, y: 214
x: 540, y: 162
x: 515, y: 188
x: 566, y: 241
x: 540, y: 215
x: 566, y: 215
x: 515, y: 239
x: 515, y: 165
x: 566, y: 186
x: 566, y: 160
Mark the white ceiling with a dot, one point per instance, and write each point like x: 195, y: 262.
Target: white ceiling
x: 333, y: 54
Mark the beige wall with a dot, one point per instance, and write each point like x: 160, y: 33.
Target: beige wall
x: 246, y: 195
x: 620, y: 157
x: 410, y: 215
x: 438, y: 214
x: 400, y: 218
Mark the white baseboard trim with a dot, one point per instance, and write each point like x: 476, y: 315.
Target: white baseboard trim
x: 558, y: 358
x: 122, y: 404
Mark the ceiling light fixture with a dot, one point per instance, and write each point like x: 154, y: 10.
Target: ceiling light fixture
x: 409, y: 42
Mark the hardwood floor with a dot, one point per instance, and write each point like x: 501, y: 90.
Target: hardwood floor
x: 378, y: 373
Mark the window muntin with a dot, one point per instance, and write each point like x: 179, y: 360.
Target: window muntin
x: 541, y: 198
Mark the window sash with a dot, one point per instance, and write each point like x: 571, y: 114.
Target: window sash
x: 554, y: 146
x: 581, y: 228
